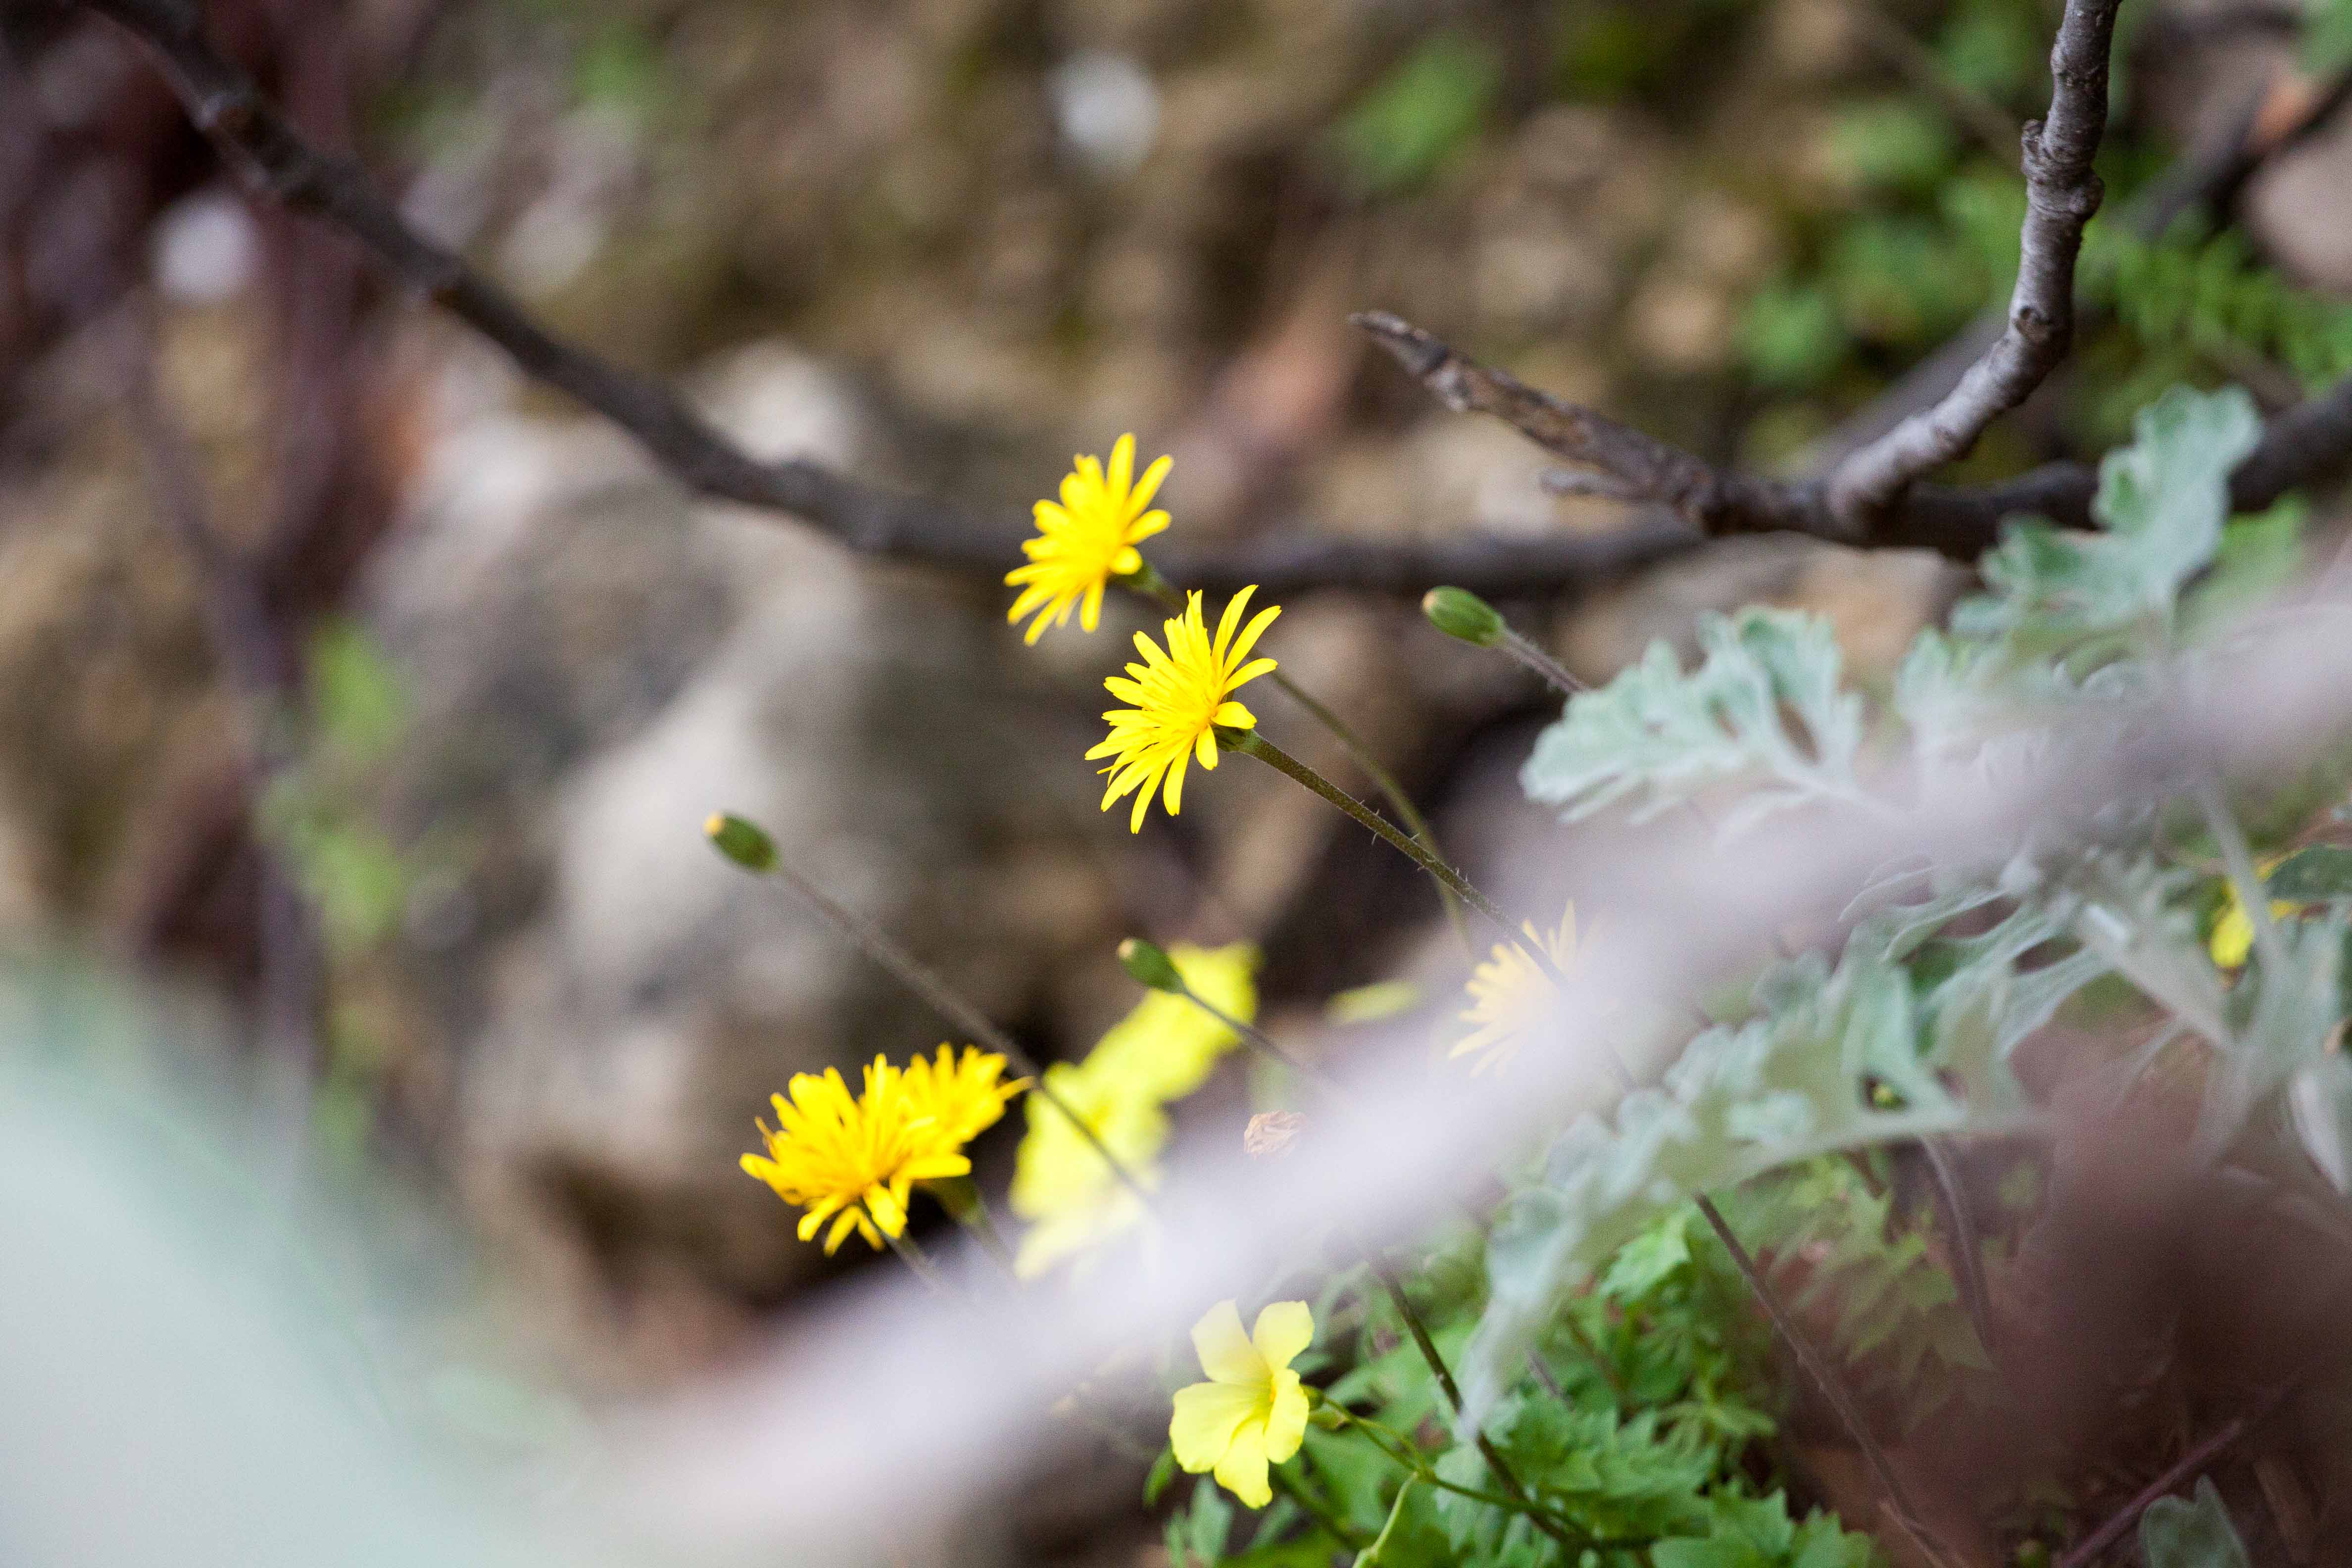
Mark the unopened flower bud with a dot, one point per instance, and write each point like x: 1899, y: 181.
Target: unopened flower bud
x: 1148, y: 964
x: 745, y: 843
x: 1459, y: 613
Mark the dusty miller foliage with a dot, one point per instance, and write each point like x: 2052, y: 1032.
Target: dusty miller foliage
x: 1642, y: 1435
x: 1908, y: 1033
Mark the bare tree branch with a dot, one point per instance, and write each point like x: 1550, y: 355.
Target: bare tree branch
x: 2060, y: 195
x: 2308, y: 444
x: 2305, y: 444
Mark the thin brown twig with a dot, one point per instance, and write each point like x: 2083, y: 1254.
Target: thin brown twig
x: 2062, y: 192
x: 2096, y: 1544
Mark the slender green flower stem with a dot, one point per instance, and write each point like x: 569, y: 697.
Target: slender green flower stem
x: 1444, y: 1374
x: 912, y: 973
x: 911, y: 1254
x: 1149, y: 583
x: 1554, y: 672
x: 1816, y: 1366
x: 1252, y: 743
x: 1263, y: 1044
x: 1386, y: 783
x: 1898, y: 1500
x: 1400, y: 1452
x: 968, y: 1206
x: 1370, y: 1554
x: 1290, y: 1487
x: 1970, y: 1260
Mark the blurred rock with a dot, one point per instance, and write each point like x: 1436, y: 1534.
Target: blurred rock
x: 601, y: 665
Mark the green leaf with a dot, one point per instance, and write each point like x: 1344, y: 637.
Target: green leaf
x: 359, y: 703
x: 2313, y: 876
x: 1163, y: 1470
x: 1783, y: 1087
x: 2197, y: 1534
x: 1416, y: 116
x: 2162, y: 501
x: 1764, y: 709
x: 1198, y: 1533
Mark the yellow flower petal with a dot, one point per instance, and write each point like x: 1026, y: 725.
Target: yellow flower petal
x: 1208, y: 1416
x: 1283, y: 1328
x: 1176, y: 697
x: 1225, y: 1351
x: 1286, y: 1424
x: 1243, y: 1469
x: 1085, y: 539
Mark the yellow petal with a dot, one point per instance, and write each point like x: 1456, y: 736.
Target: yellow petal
x: 1122, y: 465
x: 1149, y: 486
x: 1286, y: 1424
x: 2234, y: 937
x: 1174, y: 797
x: 1243, y: 1469
x: 1207, y: 1416
x: 1232, y: 618
x: 1283, y: 1328
x: 1225, y: 1351
x: 1204, y: 748
x: 1234, y: 716
x: 1248, y: 639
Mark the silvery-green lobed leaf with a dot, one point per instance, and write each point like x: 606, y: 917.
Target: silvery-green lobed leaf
x: 1656, y: 737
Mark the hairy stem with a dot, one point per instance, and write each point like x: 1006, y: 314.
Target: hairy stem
x: 1896, y: 1500
x: 1252, y: 743
x: 944, y: 999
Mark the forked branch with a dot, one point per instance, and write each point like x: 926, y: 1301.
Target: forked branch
x: 2060, y: 195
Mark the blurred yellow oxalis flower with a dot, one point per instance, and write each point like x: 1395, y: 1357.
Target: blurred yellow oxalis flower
x: 1181, y: 694
x: 1511, y: 992
x: 1251, y: 1413
x: 1061, y: 1186
x: 1162, y: 1051
x: 2234, y: 933
x: 1166, y: 1048
x: 1086, y: 539
x: 856, y: 1159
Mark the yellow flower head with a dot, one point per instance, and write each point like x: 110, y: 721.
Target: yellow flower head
x: 855, y: 1158
x: 1180, y: 695
x: 1086, y: 539
x: 1166, y: 1048
x: 1252, y: 1412
x: 961, y: 1098
x: 1509, y: 992
x: 2233, y: 934
x: 1061, y: 1184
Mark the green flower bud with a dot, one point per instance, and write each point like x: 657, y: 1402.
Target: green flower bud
x: 745, y: 843
x: 1148, y: 965
x: 1459, y: 613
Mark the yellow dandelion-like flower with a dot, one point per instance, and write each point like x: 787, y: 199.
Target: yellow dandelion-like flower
x: 1180, y: 695
x: 853, y: 1161
x: 1166, y: 1048
x: 1251, y: 1413
x: 961, y: 1097
x: 1086, y: 539
x: 2232, y: 941
x: 1511, y: 992
x: 1061, y: 1186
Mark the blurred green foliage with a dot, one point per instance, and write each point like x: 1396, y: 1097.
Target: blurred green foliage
x: 1426, y: 108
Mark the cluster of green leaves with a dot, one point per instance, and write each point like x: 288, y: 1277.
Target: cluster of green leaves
x: 1843, y: 1256
x: 1649, y: 1448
